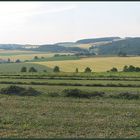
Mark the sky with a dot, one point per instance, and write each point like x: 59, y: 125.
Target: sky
x: 52, y: 22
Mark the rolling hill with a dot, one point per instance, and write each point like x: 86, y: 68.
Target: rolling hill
x: 94, y: 40
x: 130, y: 46
x: 98, y: 46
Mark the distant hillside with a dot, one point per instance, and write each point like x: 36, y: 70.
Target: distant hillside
x: 57, y: 48
x: 101, y: 46
x: 94, y: 40
x: 10, y: 46
x: 130, y: 46
x: 66, y: 44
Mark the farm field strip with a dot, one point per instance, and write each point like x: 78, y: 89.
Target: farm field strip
x: 25, y: 55
x: 109, y: 75
x: 56, y: 88
x: 72, y: 82
x: 101, y: 64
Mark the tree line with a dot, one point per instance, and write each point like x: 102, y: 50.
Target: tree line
x: 56, y: 69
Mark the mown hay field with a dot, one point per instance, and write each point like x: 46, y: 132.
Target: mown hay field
x: 96, y: 64
x: 44, y: 116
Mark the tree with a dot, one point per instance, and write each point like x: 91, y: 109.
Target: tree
x: 87, y: 70
x: 131, y: 68
x: 17, y: 61
x: 44, y: 70
x: 125, y: 68
x: 32, y: 69
x: 8, y: 60
x: 56, y: 69
x: 36, y: 57
x: 56, y: 55
x: 42, y: 57
x: 23, y: 69
x: 76, y: 70
x: 137, y: 69
x: 114, y: 69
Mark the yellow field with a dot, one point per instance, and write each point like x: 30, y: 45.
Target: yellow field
x: 85, y: 46
x: 23, y: 55
x: 26, y: 56
x: 96, y: 64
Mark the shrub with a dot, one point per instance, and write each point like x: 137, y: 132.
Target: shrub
x: 125, y: 68
x: 36, y: 57
x: 126, y: 95
x: 16, y: 90
x: 87, y: 70
x: 17, y: 61
x: 81, y: 94
x: 56, y: 69
x: 114, y: 69
x: 76, y: 70
x: 32, y: 69
x: 23, y: 69
x: 53, y: 94
x: 131, y: 68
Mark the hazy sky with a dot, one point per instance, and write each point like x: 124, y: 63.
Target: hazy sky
x: 51, y: 22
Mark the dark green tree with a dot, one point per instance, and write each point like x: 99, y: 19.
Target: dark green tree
x: 114, y: 69
x: 36, y: 57
x: 8, y: 60
x: 131, y: 68
x: 23, y: 69
x: 17, y: 61
x: 137, y: 69
x: 32, y: 69
x: 76, y: 70
x: 125, y: 68
x: 87, y: 70
x: 56, y: 69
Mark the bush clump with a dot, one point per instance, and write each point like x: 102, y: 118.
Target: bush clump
x: 16, y: 90
x: 81, y: 94
x: 126, y: 95
x: 131, y: 68
x: 53, y: 94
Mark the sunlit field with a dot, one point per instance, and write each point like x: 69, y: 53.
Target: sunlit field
x: 24, y: 55
x: 100, y: 64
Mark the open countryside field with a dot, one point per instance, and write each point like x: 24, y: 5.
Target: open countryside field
x: 54, y: 115
x: 16, y: 67
x: 100, y: 64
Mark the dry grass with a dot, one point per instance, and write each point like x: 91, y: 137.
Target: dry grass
x: 96, y: 64
x: 23, y: 55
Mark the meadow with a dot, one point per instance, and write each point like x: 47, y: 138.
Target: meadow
x: 99, y: 104
x: 53, y: 115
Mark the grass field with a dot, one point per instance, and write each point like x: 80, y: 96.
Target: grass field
x: 37, y: 117
x: 43, y: 116
x: 59, y: 117
x: 96, y: 64
x: 16, y: 67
